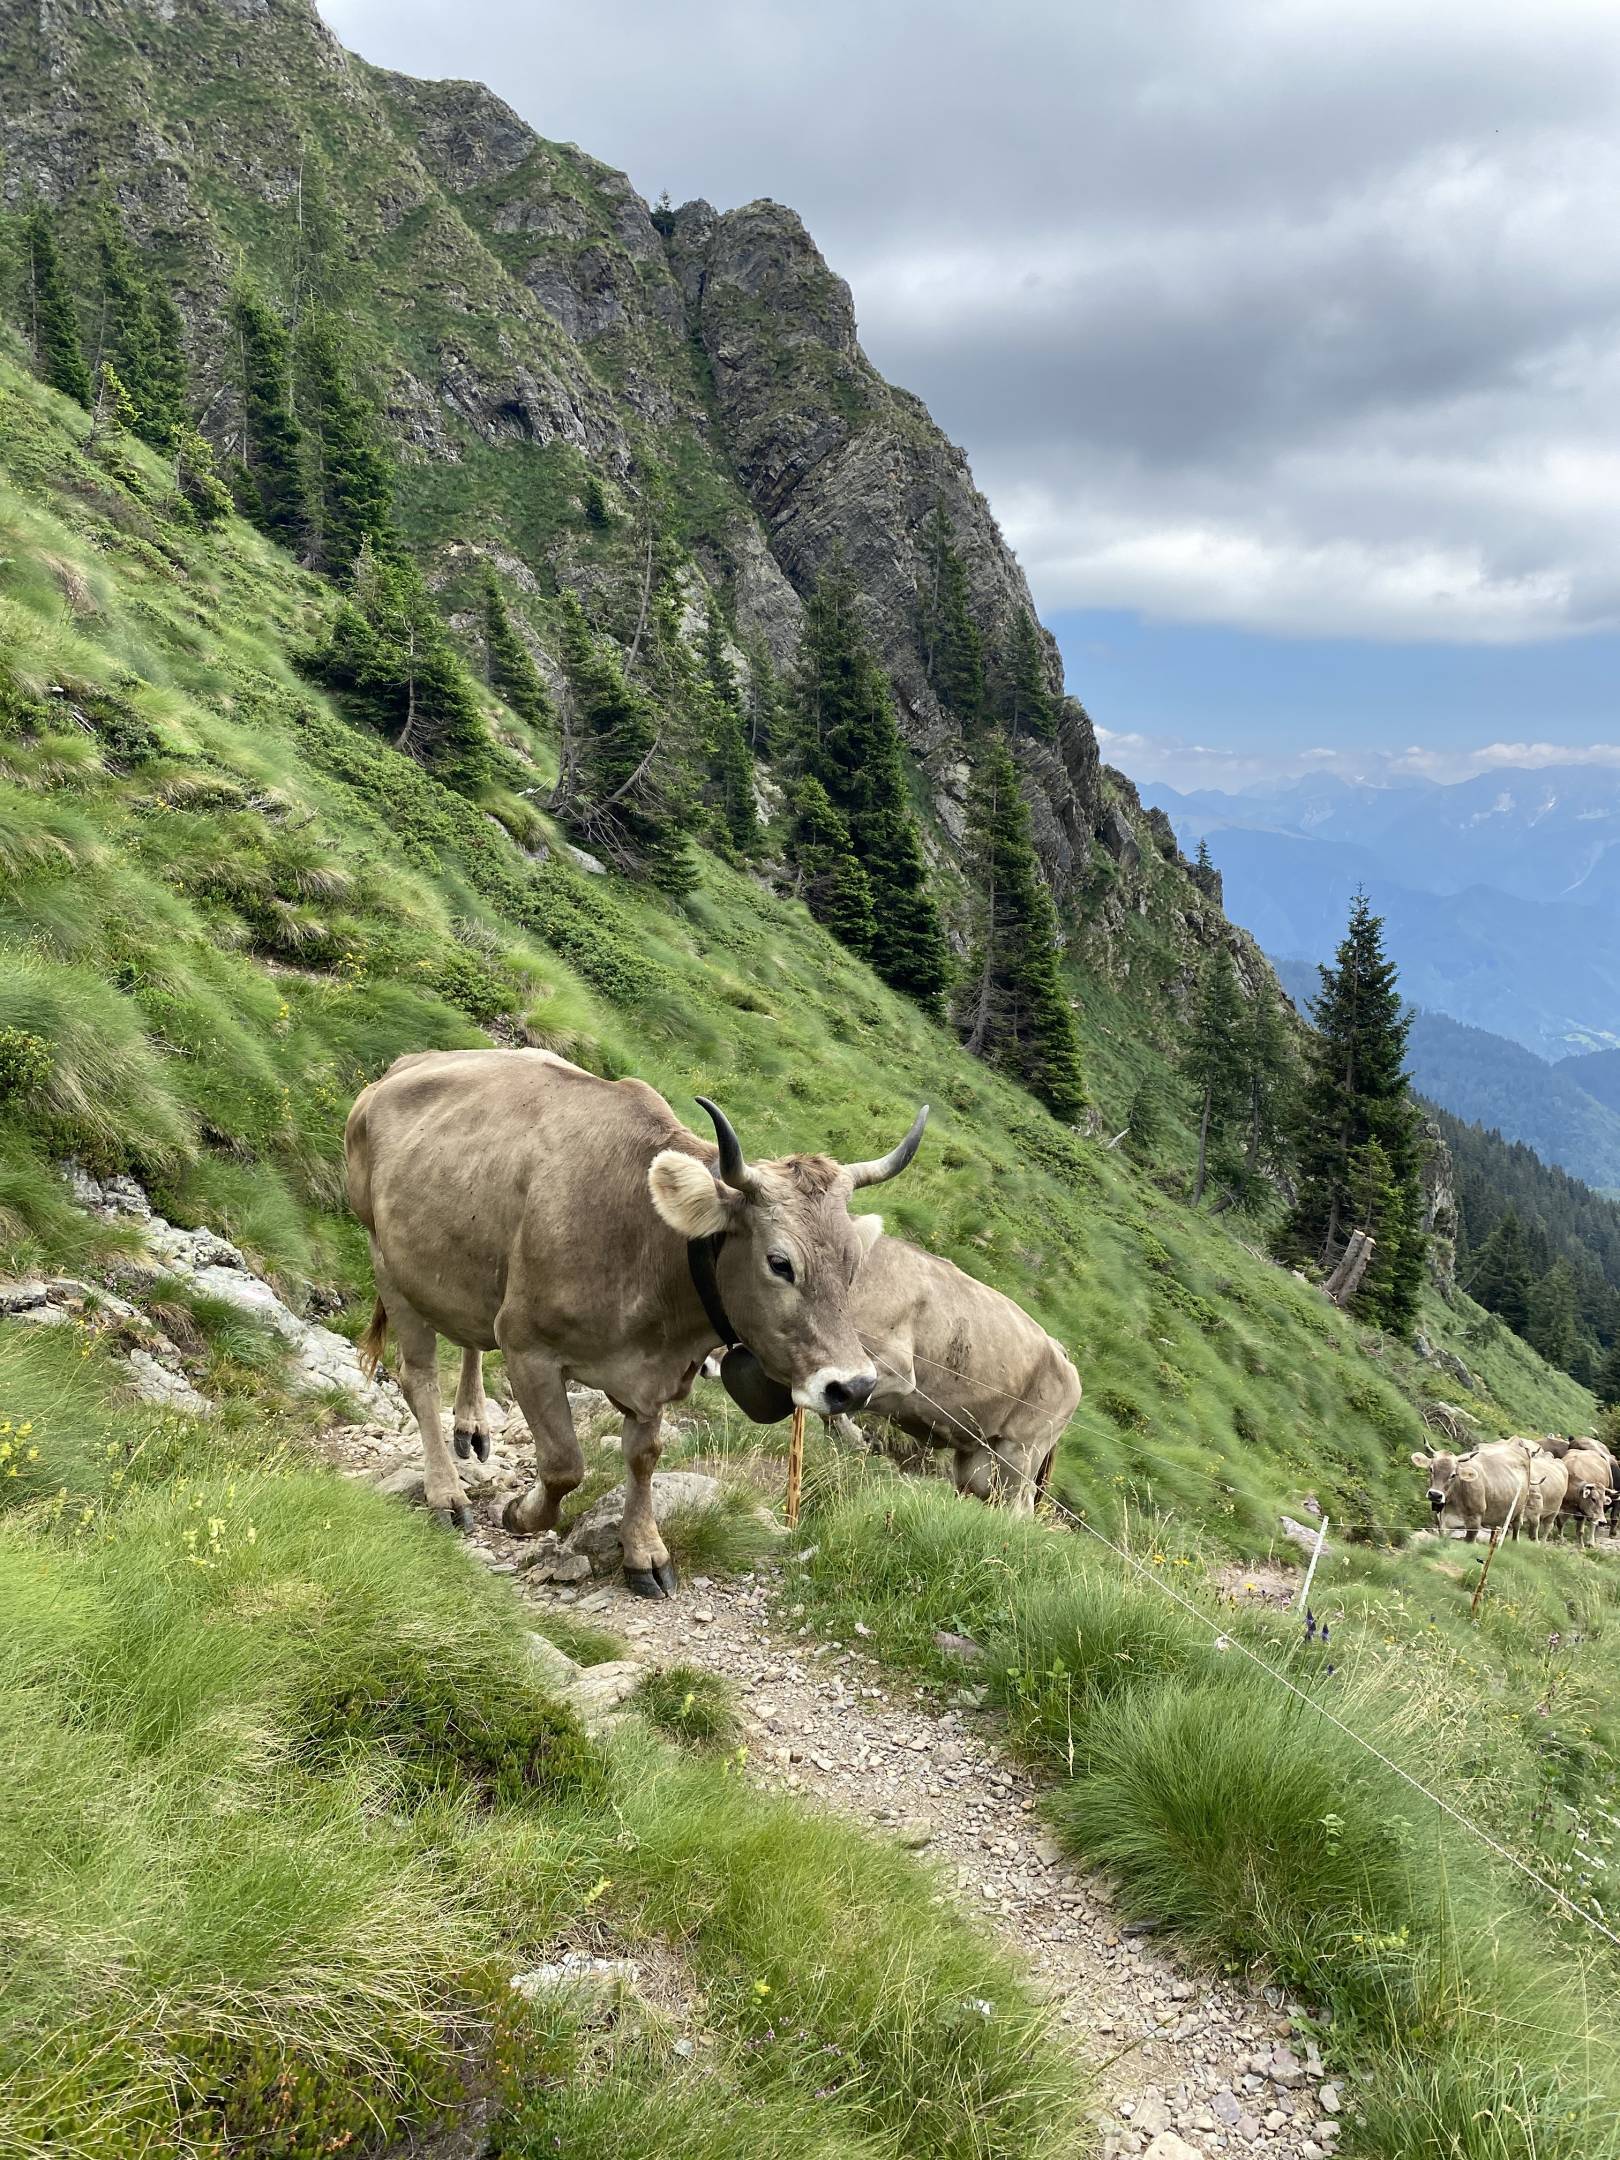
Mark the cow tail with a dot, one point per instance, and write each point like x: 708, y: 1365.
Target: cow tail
x: 369, y: 1348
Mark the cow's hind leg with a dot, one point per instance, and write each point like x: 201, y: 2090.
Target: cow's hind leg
x: 471, y: 1432
x: 542, y: 1394
x: 419, y: 1378
x: 648, y: 1569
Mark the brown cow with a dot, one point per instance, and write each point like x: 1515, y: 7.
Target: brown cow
x: 1590, y: 1482
x: 515, y: 1202
x: 961, y: 1366
x: 1480, y: 1490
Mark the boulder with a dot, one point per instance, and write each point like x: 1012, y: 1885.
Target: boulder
x: 596, y: 1534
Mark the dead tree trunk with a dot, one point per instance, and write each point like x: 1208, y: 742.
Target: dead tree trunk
x: 1345, y: 1281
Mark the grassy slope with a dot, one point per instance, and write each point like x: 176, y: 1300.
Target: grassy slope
x: 224, y: 909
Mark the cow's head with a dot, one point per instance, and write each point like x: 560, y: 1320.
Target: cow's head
x: 1444, y: 1470
x: 790, y: 1253
x: 1592, y: 1501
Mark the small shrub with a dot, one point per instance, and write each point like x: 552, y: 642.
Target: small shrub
x: 25, y: 1066
x: 1123, y: 1410
x: 446, y: 1727
x: 689, y: 1705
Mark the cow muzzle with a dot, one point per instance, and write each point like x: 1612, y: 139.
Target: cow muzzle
x: 832, y: 1393
x: 1437, y: 1500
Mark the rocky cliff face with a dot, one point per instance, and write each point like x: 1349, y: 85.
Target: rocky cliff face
x: 529, y: 321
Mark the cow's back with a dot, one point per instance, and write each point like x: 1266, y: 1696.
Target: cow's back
x: 482, y: 1173
x: 975, y: 1350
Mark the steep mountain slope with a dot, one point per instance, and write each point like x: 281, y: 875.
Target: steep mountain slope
x: 223, y: 907
x: 228, y: 908
x: 1597, y: 1073
x: 528, y: 322
x: 1486, y: 1080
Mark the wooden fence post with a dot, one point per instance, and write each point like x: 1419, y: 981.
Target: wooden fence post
x: 795, y: 1467
x: 1496, y: 1538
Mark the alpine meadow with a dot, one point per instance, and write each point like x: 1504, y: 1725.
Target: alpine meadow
x: 449, y: 605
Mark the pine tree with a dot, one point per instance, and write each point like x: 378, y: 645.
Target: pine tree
x: 1016, y: 1015
x: 611, y: 792
x: 142, y: 333
x: 1024, y: 700
x: 53, y: 321
x: 1357, y: 1092
x: 1551, y: 1324
x: 277, y: 498
x: 1214, y: 1064
x: 1145, y: 1119
x: 598, y: 510
x: 508, y: 668
x: 389, y: 655
x: 352, y: 491
x: 1608, y: 1381
x: 727, y: 758
x: 851, y: 744
x: 1205, y: 875
x: 835, y: 887
x: 204, y: 493
x: 114, y: 409
x: 953, y: 650
x: 1500, y: 1276
x: 1271, y: 1077
x: 769, y: 720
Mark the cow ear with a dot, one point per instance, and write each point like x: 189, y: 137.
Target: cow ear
x: 1420, y: 1461
x: 868, y: 1228
x: 686, y: 1195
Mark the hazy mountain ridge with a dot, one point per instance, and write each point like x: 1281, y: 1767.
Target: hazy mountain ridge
x: 1499, y: 892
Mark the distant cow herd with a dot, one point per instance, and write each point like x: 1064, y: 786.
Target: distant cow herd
x: 1537, y: 1485
x: 515, y: 1202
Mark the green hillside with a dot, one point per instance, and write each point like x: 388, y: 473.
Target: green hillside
x: 225, y: 907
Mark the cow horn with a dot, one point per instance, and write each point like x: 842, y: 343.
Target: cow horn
x: 734, y: 1168
x: 887, y: 1166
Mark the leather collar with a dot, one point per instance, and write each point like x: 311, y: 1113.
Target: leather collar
x: 743, y: 1377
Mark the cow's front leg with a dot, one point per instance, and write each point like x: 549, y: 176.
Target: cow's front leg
x: 471, y: 1434
x: 542, y: 1396
x: 648, y: 1569
x: 973, y: 1470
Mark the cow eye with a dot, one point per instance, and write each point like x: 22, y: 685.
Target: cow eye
x: 781, y: 1266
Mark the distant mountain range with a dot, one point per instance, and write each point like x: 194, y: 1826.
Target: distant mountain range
x: 1568, y: 1112
x: 1501, y: 894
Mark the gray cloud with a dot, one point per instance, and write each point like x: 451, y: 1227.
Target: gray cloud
x: 1265, y: 312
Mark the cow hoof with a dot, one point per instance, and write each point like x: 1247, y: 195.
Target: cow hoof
x: 512, y: 1519
x: 457, y: 1516
x: 471, y: 1442
x: 653, y: 1582
x: 462, y: 1443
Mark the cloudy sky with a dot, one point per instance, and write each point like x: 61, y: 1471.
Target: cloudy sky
x: 1284, y: 335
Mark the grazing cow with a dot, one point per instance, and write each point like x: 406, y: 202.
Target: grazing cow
x: 515, y: 1202
x: 1544, y: 1502
x: 1592, y: 1476
x: 1589, y: 1473
x: 1479, y: 1490
x: 961, y: 1366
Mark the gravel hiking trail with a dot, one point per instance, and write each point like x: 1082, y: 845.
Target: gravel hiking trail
x: 1186, y: 2066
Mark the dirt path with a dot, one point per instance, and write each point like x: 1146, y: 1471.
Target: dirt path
x: 1188, y: 2067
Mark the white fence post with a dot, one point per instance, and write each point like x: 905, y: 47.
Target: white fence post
x: 1310, y: 1572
